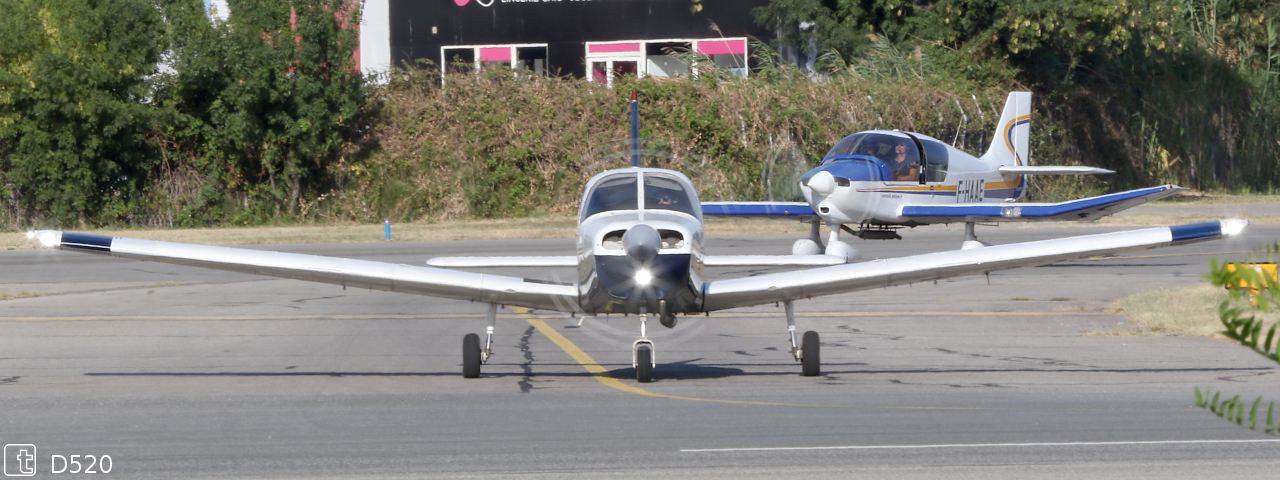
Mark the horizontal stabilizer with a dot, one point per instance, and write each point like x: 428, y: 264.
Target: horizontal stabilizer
x: 770, y: 210
x: 816, y: 282
x: 771, y: 260
x: 1053, y: 170
x: 1084, y: 209
x: 481, y: 262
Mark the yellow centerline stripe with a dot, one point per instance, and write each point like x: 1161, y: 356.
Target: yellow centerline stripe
x: 601, y: 375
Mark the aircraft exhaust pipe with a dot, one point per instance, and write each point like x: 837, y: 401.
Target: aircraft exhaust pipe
x: 641, y: 242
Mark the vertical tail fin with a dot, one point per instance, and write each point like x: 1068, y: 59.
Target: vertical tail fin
x: 1010, y: 144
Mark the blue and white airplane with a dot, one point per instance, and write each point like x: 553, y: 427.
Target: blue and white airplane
x: 881, y: 181
x: 640, y: 251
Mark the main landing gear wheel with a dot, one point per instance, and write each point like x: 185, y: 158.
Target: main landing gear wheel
x: 810, y: 362
x: 644, y: 363
x: 471, y: 356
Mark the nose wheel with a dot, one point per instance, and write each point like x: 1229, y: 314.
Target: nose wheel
x: 642, y: 353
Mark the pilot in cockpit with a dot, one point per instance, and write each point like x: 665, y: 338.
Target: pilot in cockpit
x: 901, y: 168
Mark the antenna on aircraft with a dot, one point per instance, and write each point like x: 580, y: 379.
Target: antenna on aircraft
x: 635, y: 128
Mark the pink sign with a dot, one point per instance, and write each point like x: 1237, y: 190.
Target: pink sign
x: 719, y: 47
x: 495, y: 54
x: 614, y: 48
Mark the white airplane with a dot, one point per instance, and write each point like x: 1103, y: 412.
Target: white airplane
x: 884, y: 180
x: 640, y: 251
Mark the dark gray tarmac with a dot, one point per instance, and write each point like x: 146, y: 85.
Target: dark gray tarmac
x: 185, y: 373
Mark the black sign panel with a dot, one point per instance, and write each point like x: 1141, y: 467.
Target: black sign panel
x: 419, y: 28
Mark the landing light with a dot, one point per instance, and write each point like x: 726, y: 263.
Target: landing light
x: 1233, y: 226
x: 643, y: 277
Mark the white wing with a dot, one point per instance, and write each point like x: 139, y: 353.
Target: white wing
x: 1053, y: 170
x: 771, y: 260
x: 436, y: 282
x: 484, y: 262
x: 709, y: 260
x: 776, y: 287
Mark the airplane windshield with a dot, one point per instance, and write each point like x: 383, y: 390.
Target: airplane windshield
x: 665, y: 192
x: 613, y: 193
x: 898, y: 152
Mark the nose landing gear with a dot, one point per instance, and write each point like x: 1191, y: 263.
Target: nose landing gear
x: 642, y: 357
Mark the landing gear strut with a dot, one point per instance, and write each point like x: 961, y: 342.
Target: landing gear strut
x: 472, y: 355
x: 642, y: 357
x: 971, y: 239
x: 807, y: 353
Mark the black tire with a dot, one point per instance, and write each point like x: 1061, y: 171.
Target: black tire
x: 811, y: 362
x: 471, y: 356
x: 644, y: 364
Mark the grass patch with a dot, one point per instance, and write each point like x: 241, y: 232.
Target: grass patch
x: 22, y: 294
x: 1060, y: 299
x: 1187, y: 311
x: 1019, y: 299
x: 1210, y: 198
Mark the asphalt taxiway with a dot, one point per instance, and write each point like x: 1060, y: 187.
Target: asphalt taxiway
x: 180, y: 372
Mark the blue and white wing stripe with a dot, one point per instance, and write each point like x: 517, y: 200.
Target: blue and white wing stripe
x: 1084, y: 209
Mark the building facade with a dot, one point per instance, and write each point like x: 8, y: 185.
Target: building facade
x: 596, y: 39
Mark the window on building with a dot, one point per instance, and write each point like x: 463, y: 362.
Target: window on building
x: 469, y: 58
x: 533, y: 59
x: 607, y: 61
x: 457, y: 60
x: 729, y: 54
x: 661, y: 58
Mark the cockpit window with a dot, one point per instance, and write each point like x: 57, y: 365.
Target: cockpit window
x: 938, y: 158
x: 613, y: 193
x: 898, y: 152
x: 847, y: 145
x: 665, y: 192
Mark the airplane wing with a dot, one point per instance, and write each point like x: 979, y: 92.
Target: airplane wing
x: 436, y: 282
x: 512, y: 261
x: 709, y: 260
x: 797, y: 285
x: 771, y: 260
x: 1091, y: 208
x: 799, y: 211
x: 1053, y: 170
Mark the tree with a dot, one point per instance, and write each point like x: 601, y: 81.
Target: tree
x: 75, y: 105
x: 268, y: 100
